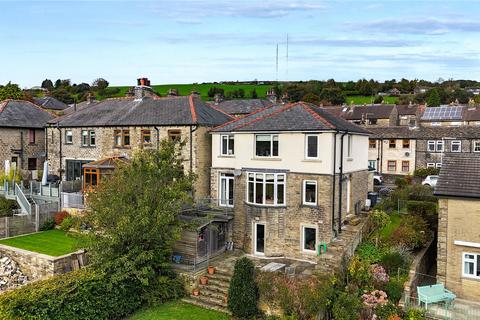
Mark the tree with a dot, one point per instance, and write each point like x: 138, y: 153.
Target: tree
x: 47, y: 84
x: 11, y: 91
x: 379, y: 219
x: 254, y: 94
x: 332, y: 96
x: 433, y: 98
x: 133, y: 215
x: 311, y: 98
x: 100, y: 83
x: 58, y: 83
x: 243, y: 291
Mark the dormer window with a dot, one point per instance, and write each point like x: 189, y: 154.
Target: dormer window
x: 266, y: 145
x: 228, y: 145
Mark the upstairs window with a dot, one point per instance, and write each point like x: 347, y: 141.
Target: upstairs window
x: 266, y: 188
x: 456, y: 146
x: 266, y: 145
x: 476, y: 146
x: 121, y: 138
x: 146, y: 137
x: 392, y: 165
x: 31, y: 136
x: 68, y: 137
x: 175, y: 135
x: 392, y: 143
x: 84, y: 138
x: 228, y: 145
x: 349, y: 146
x: 92, y: 138
x: 372, y: 144
x: 312, y: 146
x: 439, y: 145
x: 406, y: 144
x: 435, y: 145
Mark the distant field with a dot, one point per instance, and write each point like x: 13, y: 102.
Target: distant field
x: 186, y: 89
x: 368, y: 100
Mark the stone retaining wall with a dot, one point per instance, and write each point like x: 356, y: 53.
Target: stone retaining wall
x: 38, y: 266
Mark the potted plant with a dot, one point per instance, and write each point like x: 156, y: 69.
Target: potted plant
x: 203, y: 280
x: 211, y: 269
x: 196, y: 292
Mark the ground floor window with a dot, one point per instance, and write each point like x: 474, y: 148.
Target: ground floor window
x: 372, y: 164
x: 471, y: 265
x: 309, y: 238
x: 392, y: 165
x: 32, y: 163
x: 309, y: 192
x: 266, y: 188
x: 226, y: 189
x: 91, y: 178
x: 74, y: 169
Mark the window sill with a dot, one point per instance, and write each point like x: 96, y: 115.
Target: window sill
x: 283, y: 206
x: 349, y: 159
x: 308, y: 205
x: 312, y: 160
x: 267, y: 158
x: 120, y: 147
x: 312, y: 252
x: 88, y: 147
x: 473, y: 278
x: 226, y: 156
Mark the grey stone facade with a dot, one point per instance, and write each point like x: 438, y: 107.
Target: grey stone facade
x: 423, y: 156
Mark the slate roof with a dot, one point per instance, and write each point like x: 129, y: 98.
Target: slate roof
x: 405, y: 109
x: 425, y: 132
x: 459, y: 176
x: 23, y: 114
x: 472, y: 114
x: 376, y: 111
x: 50, y: 103
x: 242, y: 106
x: 165, y: 111
x: 298, y: 116
x: 79, y: 106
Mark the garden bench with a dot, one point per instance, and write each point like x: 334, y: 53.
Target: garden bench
x: 433, y: 294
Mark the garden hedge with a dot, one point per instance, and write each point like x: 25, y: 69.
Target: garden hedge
x: 82, y: 294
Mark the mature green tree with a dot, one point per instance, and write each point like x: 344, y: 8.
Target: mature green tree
x: 254, y: 94
x: 332, y: 96
x: 11, y: 91
x: 100, y: 83
x: 433, y: 98
x: 134, y: 216
x: 47, y: 84
x: 243, y: 291
x: 311, y: 98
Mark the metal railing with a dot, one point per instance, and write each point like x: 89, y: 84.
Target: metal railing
x: 22, y: 200
x: 458, y: 309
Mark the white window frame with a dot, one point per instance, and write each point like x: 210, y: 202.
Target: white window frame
x: 303, y: 238
x: 227, y: 152
x: 431, y: 143
x: 374, y: 162
x: 474, y: 261
x: 430, y: 164
x: 349, y: 145
x: 223, y: 176
x: 307, y: 136
x: 438, y: 165
x: 91, y: 134
x: 264, y: 188
x: 439, y: 143
x: 456, y: 143
x: 68, y: 134
x: 85, y: 138
x: 476, y: 146
x: 305, y: 202
x: 436, y: 124
x: 272, y: 135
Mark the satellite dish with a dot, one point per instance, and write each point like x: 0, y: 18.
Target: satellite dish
x: 237, y: 172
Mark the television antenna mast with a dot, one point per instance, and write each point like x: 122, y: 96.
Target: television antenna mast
x: 287, y: 58
x: 276, y: 65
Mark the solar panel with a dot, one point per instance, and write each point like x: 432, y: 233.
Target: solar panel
x: 443, y: 113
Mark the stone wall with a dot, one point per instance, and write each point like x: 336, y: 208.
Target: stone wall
x: 38, y: 266
x: 458, y: 221
x: 283, y: 224
x: 423, y: 156
x: 16, y: 138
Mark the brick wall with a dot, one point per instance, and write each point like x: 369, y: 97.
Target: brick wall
x: 458, y: 221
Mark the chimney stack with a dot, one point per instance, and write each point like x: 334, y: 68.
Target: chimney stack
x: 90, y: 98
x: 271, y: 95
x: 142, y: 89
x: 172, y: 92
x: 218, y: 97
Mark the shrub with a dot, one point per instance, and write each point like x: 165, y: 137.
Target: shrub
x: 299, y: 298
x: 415, y: 314
x: 59, y: 216
x: 243, y: 291
x: 7, y: 206
x: 358, y: 273
x: 48, y: 224
x: 400, y: 182
x: 424, y: 172
x: 394, y: 260
x: 425, y: 209
x: 387, y: 311
x: 67, y: 223
x: 378, y: 274
x: 368, y: 252
x: 394, y: 290
x: 346, y: 307
x: 413, y: 233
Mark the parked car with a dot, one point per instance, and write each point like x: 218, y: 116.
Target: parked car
x: 377, y: 179
x: 430, y: 181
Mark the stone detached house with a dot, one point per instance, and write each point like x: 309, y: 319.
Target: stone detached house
x: 401, y: 150
x: 22, y: 135
x: 458, y: 254
x: 290, y: 173
x: 118, y: 127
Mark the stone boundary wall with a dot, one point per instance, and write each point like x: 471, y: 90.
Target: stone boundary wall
x: 37, y: 266
x: 418, y: 269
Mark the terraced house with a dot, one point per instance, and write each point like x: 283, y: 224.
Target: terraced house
x: 118, y: 127
x: 291, y: 173
x: 22, y: 135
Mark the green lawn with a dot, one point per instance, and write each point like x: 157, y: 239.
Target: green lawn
x: 368, y: 100
x: 387, y: 231
x: 178, y: 310
x: 186, y: 89
x: 52, y: 242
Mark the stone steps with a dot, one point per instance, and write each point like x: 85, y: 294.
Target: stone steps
x: 200, y: 303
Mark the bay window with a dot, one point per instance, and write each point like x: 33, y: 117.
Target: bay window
x: 266, y: 188
x: 266, y: 145
x: 228, y: 145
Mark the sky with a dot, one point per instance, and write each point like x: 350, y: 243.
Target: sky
x: 205, y: 41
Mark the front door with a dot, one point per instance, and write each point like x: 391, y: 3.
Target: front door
x: 259, y: 238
